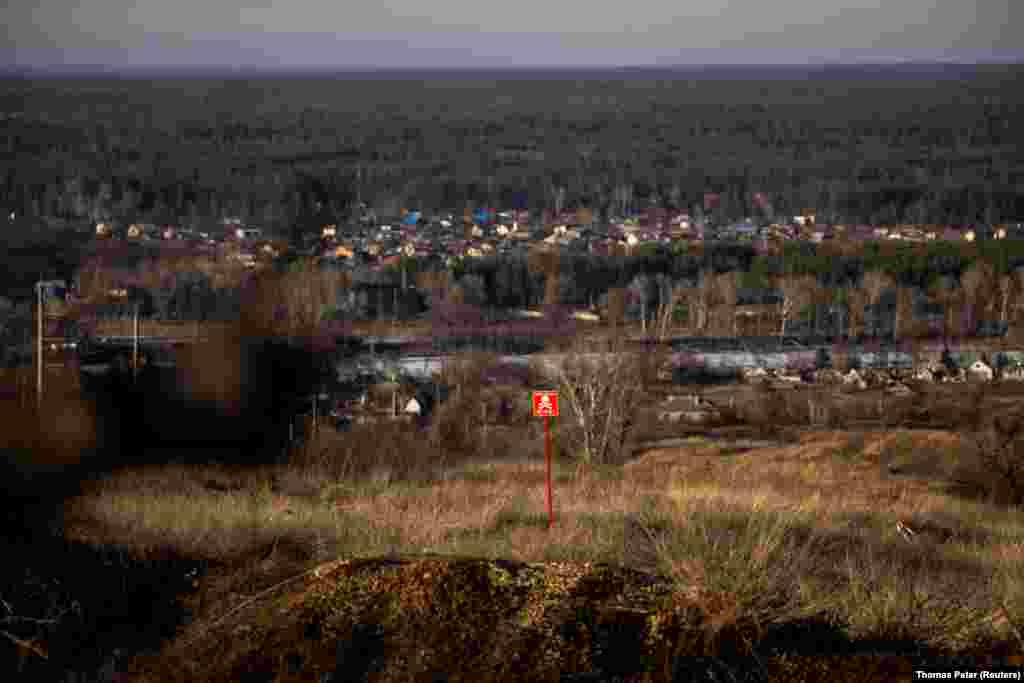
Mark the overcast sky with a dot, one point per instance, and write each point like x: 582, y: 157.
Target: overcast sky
x: 468, y: 33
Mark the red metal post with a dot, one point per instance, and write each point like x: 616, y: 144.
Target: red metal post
x: 547, y: 460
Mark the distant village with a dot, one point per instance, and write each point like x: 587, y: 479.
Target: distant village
x: 374, y: 240
x: 379, y: 238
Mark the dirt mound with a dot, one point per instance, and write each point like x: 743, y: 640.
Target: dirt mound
x: 411, y: 619
x: 464, y: 619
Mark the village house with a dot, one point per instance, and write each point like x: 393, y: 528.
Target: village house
x: 341, y: 251
x: 1013, y: 374
x: 679, y: 219
x: 248, y: 233
x: 854, y: 379
x: 950, y: 234
x: 981, y: 371
x: 413, y: 407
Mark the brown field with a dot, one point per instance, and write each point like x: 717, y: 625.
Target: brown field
x: 763, y: 546
x: 744, y: 543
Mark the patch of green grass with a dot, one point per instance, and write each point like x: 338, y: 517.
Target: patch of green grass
x: 515, y: 516
x: 744, y: 566
x: 607, y: 472
x: 606, y: 540
x: 899, y: 451
x: 738, y: 560
x: 904, y: 598
x: 852, y: 449
x: 484, y: 473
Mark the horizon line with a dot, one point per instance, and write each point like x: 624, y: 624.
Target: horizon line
x: 325, y: 69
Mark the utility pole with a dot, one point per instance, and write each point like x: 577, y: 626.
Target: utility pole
x: 39, y: 348
x: 643, y: 313
x: 483, y: 423
x: 135, y: 343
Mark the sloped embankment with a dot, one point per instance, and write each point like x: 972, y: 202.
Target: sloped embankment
x: 467, y: 619
x: 443, y: 619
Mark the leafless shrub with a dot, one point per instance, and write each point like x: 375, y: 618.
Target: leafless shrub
x: 396, y: 448
x: 798, y: 292
x: 456, y: 427
x: 478, y: 397
x: 602, y: 394
x: 993, y: 465
x: 774, y: 408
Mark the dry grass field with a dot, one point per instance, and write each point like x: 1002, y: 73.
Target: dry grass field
x: 805, y: 532
x: 736, y: 547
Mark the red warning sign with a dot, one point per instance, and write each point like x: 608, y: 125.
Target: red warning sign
x: 545, y: 404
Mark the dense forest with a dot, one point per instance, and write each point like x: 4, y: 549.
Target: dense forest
x: 858, y: 144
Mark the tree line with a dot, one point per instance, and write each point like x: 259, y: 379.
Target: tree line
x: 896, y: 291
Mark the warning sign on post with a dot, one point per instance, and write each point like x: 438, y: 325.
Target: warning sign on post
x: 545, y: 404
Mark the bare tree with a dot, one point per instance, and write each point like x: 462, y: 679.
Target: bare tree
x: 798, y: 291
x: 1011, y: 287
x: 294, y: 303
x: 603, y: 395
x: 615, y: 311
x: 977, y: 285
x: 701, y: 299
x: 666, y: 310
x: 1008, y: 288
x: 546, y: 261
x: 724, y: 287
x: 948, y: 297
x: 856, y: 301
x: 904, y: 313
x: 552, y: 289
x: 875, y: 283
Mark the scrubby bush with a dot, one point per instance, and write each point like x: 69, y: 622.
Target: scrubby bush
x: 992, y: 465
x: 602, y: 395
